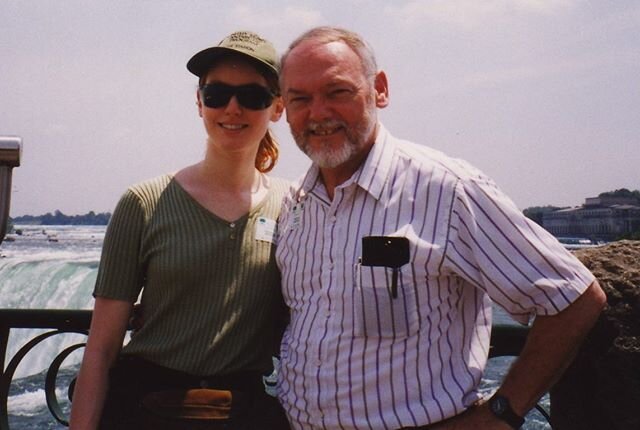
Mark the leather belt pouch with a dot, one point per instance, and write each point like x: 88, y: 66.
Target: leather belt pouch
x: 192, y: 404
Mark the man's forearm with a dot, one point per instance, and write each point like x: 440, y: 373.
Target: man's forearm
x: 551, y: 346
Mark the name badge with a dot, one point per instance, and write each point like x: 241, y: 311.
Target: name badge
x: 266, y: 230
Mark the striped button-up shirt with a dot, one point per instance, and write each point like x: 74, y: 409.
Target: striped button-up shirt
x: 356, y: 357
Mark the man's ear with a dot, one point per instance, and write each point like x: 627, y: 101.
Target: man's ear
x: 382, y: 89
x: 278, y: 104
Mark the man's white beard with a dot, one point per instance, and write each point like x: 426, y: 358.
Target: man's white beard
x: 328, y: 158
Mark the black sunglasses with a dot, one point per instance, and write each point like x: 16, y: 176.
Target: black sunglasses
x: 250, y: 96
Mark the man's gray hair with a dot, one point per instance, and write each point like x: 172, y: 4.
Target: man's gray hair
x: 326, y: 34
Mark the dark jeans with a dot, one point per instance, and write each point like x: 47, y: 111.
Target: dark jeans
x: 132, y: 378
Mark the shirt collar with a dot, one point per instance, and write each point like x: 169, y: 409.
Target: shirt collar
x: 310, y: 179
x: 374, y: 173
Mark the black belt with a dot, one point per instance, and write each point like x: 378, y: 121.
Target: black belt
x: 131, y: 370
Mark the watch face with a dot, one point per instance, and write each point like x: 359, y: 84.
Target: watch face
x: 498, y: 405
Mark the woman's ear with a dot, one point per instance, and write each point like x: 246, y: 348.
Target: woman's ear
x: 199, y: 103
x: 382, y: 89
x: 278, y: 108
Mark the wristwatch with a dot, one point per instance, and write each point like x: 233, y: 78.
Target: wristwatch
x: 500, y: 407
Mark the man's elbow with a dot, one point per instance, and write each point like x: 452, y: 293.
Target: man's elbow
x: 599, y: 296
x: 592, y: 301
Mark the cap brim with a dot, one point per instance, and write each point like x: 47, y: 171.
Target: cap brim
x: 201, y: 62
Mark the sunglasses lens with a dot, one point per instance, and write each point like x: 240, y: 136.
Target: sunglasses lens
x: 252, y: 96
x: 216, y: 95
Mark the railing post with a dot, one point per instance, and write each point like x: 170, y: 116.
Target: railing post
x: 4, y: 339
x: 10, y: 150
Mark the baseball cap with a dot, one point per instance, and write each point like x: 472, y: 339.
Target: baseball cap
x: 247, y: 43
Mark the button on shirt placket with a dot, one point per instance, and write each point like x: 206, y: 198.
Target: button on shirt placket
x: 326, y: 275
x: 332, y: 291
x: 232, y: 234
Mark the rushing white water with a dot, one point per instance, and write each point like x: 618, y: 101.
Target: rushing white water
x: 48, y: 267
x: 45, y: 267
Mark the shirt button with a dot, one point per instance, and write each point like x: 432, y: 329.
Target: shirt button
x: 232, y: 236
x: 232, y: 225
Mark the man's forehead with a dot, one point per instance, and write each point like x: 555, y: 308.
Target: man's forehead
x: 330, y: 62
x: 313, y: 50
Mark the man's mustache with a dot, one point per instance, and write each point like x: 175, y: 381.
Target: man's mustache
x: 314, y: 127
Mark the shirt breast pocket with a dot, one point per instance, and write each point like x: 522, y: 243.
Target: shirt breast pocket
x: 377, y: 312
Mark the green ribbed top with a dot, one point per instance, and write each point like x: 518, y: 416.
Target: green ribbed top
x: 210, y: 289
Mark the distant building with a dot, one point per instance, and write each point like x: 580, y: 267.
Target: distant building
x: 600, y: 218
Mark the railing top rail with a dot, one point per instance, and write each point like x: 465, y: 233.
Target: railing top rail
x: 507, y: 339
x: 64, y: 319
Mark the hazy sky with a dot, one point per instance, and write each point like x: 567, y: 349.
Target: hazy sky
x: 543, y: 95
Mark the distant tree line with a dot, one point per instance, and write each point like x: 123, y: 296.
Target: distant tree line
x: 622, y: 192
x: 58, y: 218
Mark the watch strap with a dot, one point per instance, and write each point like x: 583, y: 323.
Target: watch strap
x: 501, y: 409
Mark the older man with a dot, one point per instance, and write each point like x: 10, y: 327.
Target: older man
x: 391, y: 254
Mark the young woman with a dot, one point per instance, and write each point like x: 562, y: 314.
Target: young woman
x: 199, y: 245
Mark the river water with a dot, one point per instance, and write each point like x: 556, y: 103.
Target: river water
x: 55, y: 267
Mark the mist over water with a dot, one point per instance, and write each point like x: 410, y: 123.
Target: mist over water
x: 55, y: 267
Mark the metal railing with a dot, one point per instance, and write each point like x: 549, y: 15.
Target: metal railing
x: 60, y: 321
x: 506, y: 340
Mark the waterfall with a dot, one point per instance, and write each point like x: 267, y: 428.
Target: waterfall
x: 48, y: 268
